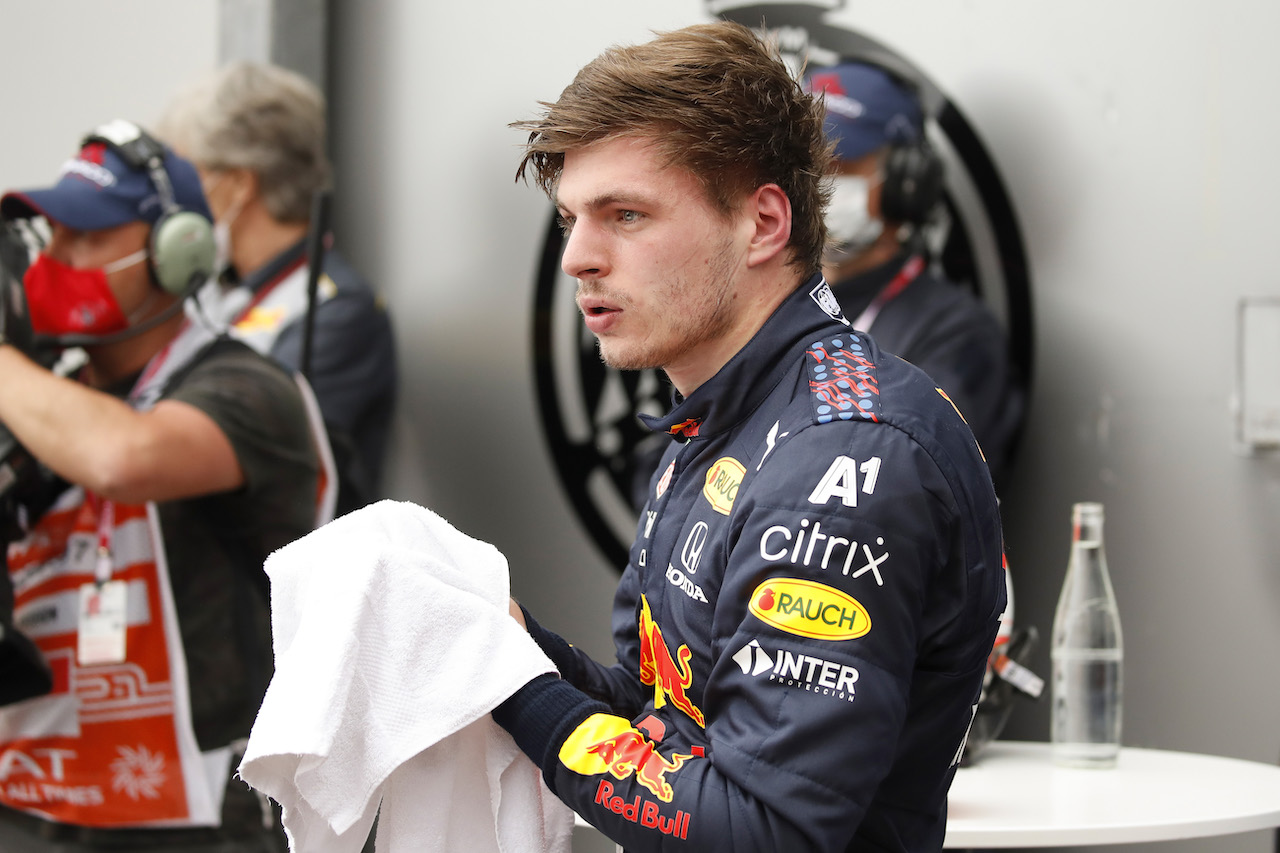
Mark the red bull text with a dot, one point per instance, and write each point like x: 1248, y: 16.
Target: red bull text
x: 643, y: 812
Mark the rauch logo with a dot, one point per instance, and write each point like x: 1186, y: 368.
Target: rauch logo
x: 723, y: 479
x: 809, y: 609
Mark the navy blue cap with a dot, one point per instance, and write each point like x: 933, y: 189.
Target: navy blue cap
x: 97, y: 189
x: 866, y: 108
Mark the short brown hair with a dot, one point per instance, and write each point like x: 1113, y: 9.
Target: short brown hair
x: 718, y: 101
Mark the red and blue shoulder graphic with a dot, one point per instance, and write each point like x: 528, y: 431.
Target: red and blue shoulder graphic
x: 842, y: 380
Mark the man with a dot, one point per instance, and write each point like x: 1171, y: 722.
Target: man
x: 816, y: 578
x: 187, y: 459
x: 888, y: 183
x: 256, y: 133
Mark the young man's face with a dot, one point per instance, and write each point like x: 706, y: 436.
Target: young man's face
x: 656, y: 264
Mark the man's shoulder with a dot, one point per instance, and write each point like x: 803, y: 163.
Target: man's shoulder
x: 345, y: 277
x: 849, y: 391
x: 244, y: 391
x: 227, y: 350
x: 227, y: 357
x: 352, y: 303
x: 846, y: 377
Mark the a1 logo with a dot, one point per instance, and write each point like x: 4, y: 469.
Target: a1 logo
x: 841, y: 480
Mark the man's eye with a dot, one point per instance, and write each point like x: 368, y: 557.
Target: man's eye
x: 565, y: 223
x: 629, y: 216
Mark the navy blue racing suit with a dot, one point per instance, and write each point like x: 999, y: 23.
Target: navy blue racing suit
x: 804, y: 624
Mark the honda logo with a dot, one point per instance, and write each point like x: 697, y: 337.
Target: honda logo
x: 691, y: 555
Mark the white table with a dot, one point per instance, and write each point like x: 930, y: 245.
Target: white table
x: 1014, y: 797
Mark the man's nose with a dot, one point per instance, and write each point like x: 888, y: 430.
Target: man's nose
x: 584, y: 255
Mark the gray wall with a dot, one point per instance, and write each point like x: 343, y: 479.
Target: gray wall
x: 70, y: 65
x: 1136, y: 142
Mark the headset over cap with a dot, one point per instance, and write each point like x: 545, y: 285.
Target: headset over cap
x: 120, y: 175
x: 868, y: 109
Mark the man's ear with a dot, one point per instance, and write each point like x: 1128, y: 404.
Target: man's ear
x: 243, y: 186
x: 770, y: 211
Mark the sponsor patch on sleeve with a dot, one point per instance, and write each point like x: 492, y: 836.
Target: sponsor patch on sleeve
x: 605, y: 744
x: 608, y: 746
x: 809, y: 609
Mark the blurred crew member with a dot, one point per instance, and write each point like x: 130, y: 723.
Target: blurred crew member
x: 187, y: 459
x: 887, y: 185
x: 256, y: 132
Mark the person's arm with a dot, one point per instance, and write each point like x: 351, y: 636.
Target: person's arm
x: 95, y: 440
x: 617, y: 686
x: 800, y: 737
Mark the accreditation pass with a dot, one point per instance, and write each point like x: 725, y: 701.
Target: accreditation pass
x: 102, y: 623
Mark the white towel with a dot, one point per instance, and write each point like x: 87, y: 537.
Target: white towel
x: 393, y: 641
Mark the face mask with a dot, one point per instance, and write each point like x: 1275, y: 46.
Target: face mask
x: 222, y: 231
x: 850, y: 225
x: 63, y: 300
x: 222, y: 247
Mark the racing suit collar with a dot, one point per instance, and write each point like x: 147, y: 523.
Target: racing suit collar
x: 743, y: 383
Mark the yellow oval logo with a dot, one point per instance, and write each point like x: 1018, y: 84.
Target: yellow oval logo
x: 809, y: 609
x: 721, y: 487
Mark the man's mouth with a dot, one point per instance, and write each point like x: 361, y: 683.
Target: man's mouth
x: 600, y: 315
x: 595, y: 304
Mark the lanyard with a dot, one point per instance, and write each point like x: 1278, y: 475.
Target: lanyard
x: 106, y: 527
x: 106, y: 507
x: 899, y: 283
x: 154, y: 365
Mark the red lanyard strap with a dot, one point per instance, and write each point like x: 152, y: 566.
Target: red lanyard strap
x: 889, y: 292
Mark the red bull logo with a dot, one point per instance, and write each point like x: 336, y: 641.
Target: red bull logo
x: 261, y: 319
x: 687, y: 428
x: 671, y: 677
x: 631, y: 753
x: 608, y: 744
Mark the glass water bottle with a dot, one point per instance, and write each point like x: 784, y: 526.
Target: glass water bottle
x: 1087, y: 652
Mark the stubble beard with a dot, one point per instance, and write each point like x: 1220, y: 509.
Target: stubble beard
x: 682, y: 328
